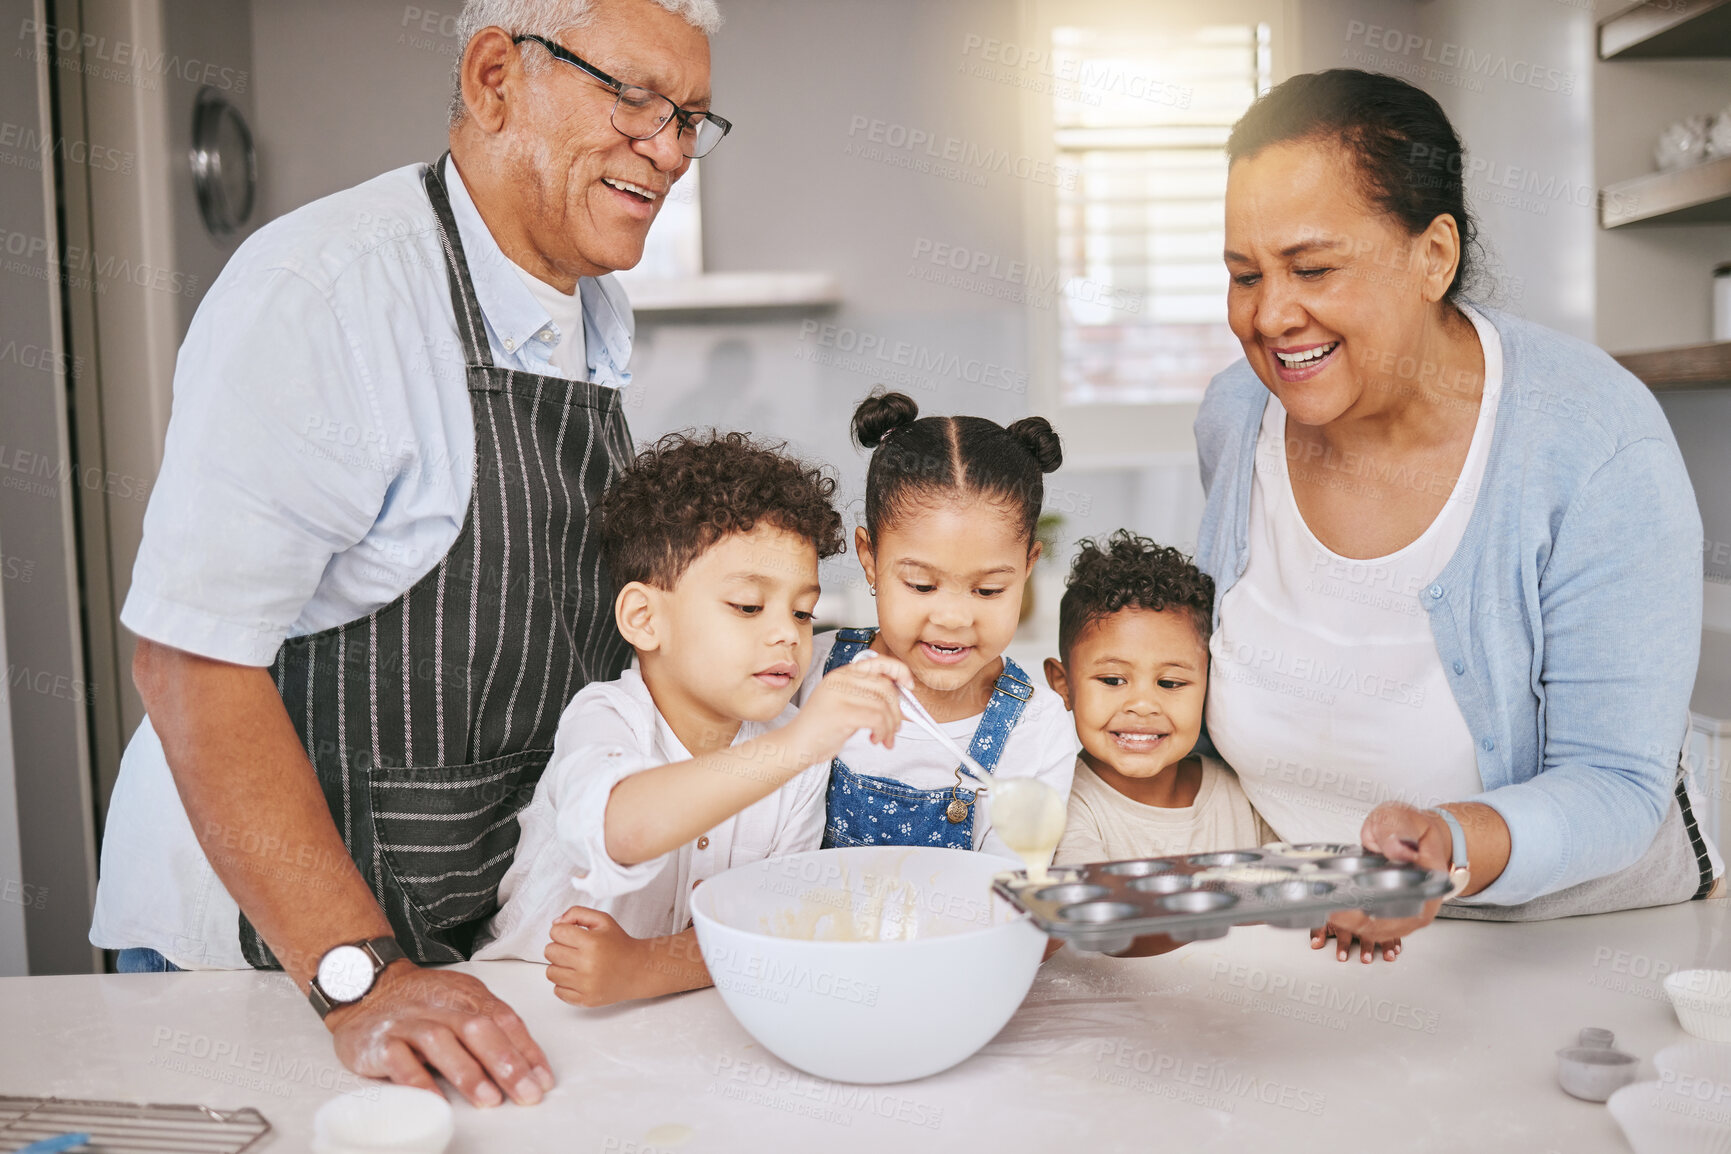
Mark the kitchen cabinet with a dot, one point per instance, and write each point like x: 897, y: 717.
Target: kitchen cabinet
x: 1690, y: 367
x: 1668, y: 29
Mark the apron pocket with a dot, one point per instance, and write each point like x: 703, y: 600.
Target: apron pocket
x: 447, y: 832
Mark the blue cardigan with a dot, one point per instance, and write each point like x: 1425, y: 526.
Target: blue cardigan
x: 1570, y: 613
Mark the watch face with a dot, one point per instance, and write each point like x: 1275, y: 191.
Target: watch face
x: 345, y: 973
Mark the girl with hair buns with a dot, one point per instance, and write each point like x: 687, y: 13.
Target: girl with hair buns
x: 947, y: 546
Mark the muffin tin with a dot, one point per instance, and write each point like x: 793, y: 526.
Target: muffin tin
x: 1103, y: 906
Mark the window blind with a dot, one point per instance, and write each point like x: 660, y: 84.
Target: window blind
x: 1143, y: 122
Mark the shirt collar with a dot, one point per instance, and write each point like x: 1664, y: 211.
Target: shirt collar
x: 511, y: 310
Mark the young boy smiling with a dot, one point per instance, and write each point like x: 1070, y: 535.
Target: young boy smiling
x: 1133, y: 634
x: 693, y: 761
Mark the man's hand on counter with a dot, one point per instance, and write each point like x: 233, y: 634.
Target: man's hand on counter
x: 263, y: 822
x: 415, y: 1018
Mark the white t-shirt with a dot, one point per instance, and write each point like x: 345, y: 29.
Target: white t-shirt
x: 610, y: 731
x: 1043, y: 744
x: 563, y: 334
x: 1326, y: 692
x: 1105, y: 825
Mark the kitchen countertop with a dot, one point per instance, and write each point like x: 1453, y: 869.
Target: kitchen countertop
x: 1227, y: 1045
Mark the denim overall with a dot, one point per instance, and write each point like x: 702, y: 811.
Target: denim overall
x: 865, y: 810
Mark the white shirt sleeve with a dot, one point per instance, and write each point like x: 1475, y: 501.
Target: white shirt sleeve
x: 596, y: 748
x: 254, y: 496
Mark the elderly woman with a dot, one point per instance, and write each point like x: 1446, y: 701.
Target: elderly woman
x: 1457, y: 554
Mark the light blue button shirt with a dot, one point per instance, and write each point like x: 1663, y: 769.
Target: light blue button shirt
x: 519, y: 328
x: 319, y: 455
x: 1571, y: 610
x: 317, y: 464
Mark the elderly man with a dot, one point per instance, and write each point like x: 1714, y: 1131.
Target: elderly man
x: 367, y: 586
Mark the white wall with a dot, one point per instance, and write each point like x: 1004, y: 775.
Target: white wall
x: 1529, y: 145
x: 345, y: 90
x: 789, y: 190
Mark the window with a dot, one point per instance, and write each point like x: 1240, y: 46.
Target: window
x: 1144, y: 126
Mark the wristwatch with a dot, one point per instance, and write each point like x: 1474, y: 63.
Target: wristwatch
x: 347, y: 972
x: 1460, y: 870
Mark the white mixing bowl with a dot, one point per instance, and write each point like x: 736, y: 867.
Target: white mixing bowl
x: 871, y: 963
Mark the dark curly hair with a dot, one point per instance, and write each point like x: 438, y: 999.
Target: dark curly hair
x: 686, y: 492
x: 915, y: 457
x: 1131, y: 572
x: 1410, y: 162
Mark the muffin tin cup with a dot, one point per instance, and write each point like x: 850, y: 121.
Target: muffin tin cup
x: 1229, y: 858
x: 1072, y: 893
x: 1193, y: 897
x: 1142, y: 867
x: 1163, y: 883
x: 1295, y: 891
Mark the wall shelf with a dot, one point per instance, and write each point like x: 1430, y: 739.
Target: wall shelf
x: 1690, y: 367
x: 734, y: 290
x: 1668, y: 30
x: 1699, y: 194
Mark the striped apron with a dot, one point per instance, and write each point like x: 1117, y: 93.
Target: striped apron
x: 429, y: 721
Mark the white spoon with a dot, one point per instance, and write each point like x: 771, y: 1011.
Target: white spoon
x: 917, y: 713
x: 1029, y: 814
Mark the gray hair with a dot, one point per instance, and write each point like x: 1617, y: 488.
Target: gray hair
x: 550, y: 18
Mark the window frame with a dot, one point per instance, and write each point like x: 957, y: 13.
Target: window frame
x: 1104, y: 433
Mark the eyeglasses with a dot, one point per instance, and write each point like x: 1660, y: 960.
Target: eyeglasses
x: 640, y: 112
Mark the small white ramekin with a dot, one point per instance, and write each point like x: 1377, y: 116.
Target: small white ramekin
x: 1702, y: 999
x: 383, y: 1119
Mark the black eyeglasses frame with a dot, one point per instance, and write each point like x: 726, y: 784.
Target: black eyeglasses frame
x: 687, y: 118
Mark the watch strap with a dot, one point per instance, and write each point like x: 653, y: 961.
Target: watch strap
x: 385, y: 950
x: 1460, y: 870
x: 382, y: 950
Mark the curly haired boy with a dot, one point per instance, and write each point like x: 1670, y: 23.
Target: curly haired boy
x: 1133, y: 637
x: 694, y: 761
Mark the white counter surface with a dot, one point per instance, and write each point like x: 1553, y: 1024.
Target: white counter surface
x: 1252, y: 1042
